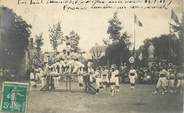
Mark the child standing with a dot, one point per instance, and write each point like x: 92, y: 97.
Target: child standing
x: 132, y: 77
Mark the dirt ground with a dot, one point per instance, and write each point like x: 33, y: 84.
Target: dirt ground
x: 138, y: 100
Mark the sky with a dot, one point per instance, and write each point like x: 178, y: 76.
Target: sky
x: 91, y: 25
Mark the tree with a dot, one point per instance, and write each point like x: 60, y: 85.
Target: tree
x: 124, y: 47
x: 14, y: 34
x: 114, y: 27
x: 56, y: 36
x: 166, y: 48
x: 73, y: 40
x: 124, y: 40
x: 39, y: 43
x: 178, y: 27
x: 117, y: 51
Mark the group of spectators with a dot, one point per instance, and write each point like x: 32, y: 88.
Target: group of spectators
x: 167, y: 76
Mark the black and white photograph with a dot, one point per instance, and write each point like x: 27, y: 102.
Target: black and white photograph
x: 92, y: 56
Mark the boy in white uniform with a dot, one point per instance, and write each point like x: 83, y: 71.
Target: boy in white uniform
x: 132, y: 77
x: 69, y: 65
x: 105, y: 79
x: 180, y: 81
x: 162, y: 82
x: 171, y: 81
x: 90, y: 72
x: 63, y: 65
x: 79, y: 69
x: 42, y: 77
x: 80, y: 75
x: 57, y: 69
x: 63, y: 68
x: 98, y: 80
x: 37, y: 75
x: 114, y: 80
x: 32, y: 79
x: 76, y: 65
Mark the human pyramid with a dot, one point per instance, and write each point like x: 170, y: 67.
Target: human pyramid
x: 69, y: 67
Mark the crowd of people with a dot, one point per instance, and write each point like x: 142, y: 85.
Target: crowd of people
x: 66, y: 69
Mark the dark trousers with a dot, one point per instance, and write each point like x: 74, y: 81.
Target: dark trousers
x: 49, y: 84
x: 88, y: 88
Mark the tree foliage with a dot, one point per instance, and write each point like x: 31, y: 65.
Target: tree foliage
x: 166, y: 48
x: 114, y: 27
x: 178, y: 27
x: 117, y: 51
x: 56, y: 36
x: 39, y: 43
x: 14, y: 34
x: 73, y: 40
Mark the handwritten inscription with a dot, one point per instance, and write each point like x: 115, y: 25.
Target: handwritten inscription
x: 69, y: 5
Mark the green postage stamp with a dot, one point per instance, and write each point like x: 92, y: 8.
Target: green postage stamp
x: 14, y: 97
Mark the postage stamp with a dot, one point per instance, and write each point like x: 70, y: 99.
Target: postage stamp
x: 14, y: 97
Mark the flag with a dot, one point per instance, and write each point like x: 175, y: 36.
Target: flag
x: 138, y: 22
x: 174, y: 16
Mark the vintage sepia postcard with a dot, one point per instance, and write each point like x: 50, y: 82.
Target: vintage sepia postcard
x: 92, y: 56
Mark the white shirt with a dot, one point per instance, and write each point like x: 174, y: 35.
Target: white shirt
x: 32, y: 76
x: 97, y: 74
x: 62, y: 63
x: 81, y: 71
x: 105, y: 72
x: 133, y: 71
x: 114, y: 73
